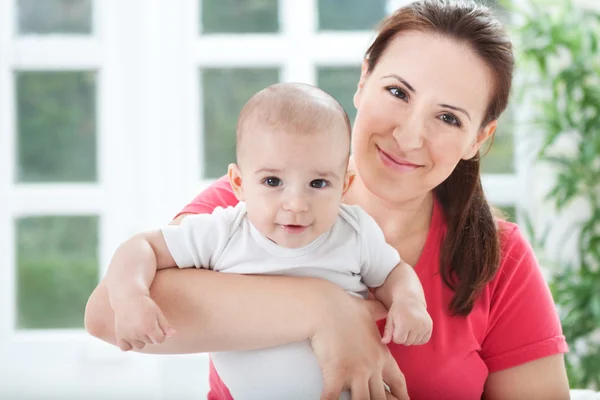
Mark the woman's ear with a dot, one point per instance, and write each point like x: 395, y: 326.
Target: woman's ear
x: 235, y: 178
x: 364, y: 74
x: 483, y: 135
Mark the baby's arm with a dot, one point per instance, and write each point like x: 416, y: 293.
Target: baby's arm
x: 397, y: 286
x: 138, y: 320
x: 408, y: 322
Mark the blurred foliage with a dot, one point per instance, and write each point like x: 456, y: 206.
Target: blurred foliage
x: 57, y: 269
x: 509, y: 213
x: 239, y: 16
x: 350, y: 15
x: 498, y: 158
x: 54, y: 16
x: 56, y: 122
x: 559, y: 51
x: 226, y: 90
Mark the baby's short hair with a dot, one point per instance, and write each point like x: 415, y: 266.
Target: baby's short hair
x: 294, y: 108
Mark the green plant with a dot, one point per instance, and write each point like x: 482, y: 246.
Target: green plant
x: 558, y: 48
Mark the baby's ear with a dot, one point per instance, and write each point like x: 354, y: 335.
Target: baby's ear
x: 348, y: 179
x: 235, y: 178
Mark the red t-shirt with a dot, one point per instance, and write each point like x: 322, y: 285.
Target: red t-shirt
x: 514, y: 320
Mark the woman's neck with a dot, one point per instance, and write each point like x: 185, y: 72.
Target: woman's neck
x: 398, y: 220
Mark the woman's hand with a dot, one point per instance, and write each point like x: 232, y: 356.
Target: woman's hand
x: 349, y: 350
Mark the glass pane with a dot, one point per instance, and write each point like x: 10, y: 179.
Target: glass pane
x: 225, y: 93
x: 350, y: 15
x: 239, y: 16
x: 57, y: 264
x: 500, y: 158
x: 340, y: 82
x: 56, y: 122
x: 55, y: 16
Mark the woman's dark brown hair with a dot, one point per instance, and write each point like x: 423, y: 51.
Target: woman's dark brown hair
x: 470, y: 254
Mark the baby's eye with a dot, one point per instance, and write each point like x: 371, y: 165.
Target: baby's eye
x: 272, y: 181
x: 319, y: 183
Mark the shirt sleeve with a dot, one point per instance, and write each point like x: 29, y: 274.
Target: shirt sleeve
x: 200, y: 239
x: 378, y: 257
x: 523, y: 322
x: 218, y: 194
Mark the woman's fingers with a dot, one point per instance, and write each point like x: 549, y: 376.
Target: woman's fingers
x: 332, y: 387
x: 360, y: 390
x: 394, y: 378
x: 377, y: 388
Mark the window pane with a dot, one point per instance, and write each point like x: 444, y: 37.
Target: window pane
x: 55, y: 16
x: 350, y: 15
x: 239, y: 16
x: 57, y: 264
x: 56, y: 122
x: 500, y: 158
x: 340, y: 82
x: 225, y: 93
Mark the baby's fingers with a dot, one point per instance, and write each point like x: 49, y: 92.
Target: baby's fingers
x: 138, y: 344
x: 411, y: 338
x: 388, y: 332
x: 157, y: 335
x: 400, y: 334
x: 124, y: 345
x: 165, y: 325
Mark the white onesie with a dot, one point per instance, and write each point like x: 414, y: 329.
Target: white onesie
x: 353, y: 255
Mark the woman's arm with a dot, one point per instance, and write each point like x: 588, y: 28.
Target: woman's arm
x: 524, y: 345
x: 542, y: 379
x: 213, y: 311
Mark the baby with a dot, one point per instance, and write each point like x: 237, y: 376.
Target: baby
x: 293, y: 147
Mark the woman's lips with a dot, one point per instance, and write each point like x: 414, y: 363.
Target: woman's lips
x: 396, y: 163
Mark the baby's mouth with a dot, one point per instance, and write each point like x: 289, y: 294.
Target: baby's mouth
x: 294, y: 229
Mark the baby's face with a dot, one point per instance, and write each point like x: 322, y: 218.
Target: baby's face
x: 292, y: 184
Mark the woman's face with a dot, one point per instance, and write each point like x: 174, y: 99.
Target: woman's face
x: 419, y: 113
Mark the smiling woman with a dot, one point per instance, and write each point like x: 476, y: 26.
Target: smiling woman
x: 432, y: 87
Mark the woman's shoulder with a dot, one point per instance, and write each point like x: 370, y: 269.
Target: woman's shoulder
x: 518, y: 262
x: 218, y: 194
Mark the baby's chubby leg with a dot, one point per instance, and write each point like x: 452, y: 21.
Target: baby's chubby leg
x: 284, y: 372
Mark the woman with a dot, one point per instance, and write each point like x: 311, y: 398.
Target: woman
x: 432, y: 88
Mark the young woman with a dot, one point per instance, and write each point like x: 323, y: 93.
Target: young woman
x: 432, y: 88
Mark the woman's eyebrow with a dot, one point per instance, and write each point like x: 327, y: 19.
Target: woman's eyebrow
x: 401, y: 80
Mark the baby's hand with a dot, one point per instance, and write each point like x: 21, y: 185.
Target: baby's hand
x: 139, y: 321
x: 408, y: 323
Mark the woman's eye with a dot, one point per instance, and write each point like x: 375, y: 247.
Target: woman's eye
x: 272, y: 182
x: 397, y: 92
x: 318, y: 183
x: 450, y: 119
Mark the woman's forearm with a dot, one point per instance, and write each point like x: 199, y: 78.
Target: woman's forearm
x: 214, y: 311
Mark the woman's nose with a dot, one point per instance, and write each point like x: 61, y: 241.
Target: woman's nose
x: 409, y: 133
